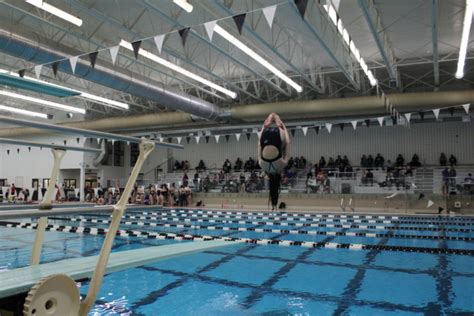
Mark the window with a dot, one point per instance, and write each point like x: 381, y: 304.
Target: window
x: 45, y: 183
x: 70, y: 183
x: 34, y: 183
x: 3, y: 182
x: 134, y: 152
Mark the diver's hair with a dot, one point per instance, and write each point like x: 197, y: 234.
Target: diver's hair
x: 274, y: 184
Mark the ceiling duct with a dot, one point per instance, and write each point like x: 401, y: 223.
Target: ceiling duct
x: 38, y: 52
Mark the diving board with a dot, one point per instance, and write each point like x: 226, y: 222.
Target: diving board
x: 23, y: 279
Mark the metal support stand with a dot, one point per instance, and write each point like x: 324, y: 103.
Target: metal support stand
x: 58, y: 155
x: 146, y: 147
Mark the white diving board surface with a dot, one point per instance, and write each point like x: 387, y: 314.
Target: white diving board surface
x: 21, y: 280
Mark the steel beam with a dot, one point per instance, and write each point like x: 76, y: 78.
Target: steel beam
x: 434, y: 36
x: 45, y: 145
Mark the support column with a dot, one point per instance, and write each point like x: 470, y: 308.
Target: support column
x: 82, y: 182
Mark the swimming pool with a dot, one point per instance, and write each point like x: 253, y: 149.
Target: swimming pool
x: 288, y: 263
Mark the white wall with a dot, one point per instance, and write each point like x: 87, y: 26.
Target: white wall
x: 427, y: 140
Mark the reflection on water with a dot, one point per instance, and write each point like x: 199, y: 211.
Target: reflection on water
x: 115, y: 307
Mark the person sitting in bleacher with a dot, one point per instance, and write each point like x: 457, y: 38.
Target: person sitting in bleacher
x: 331, y: 163
x: 453, y: 161
x: 290, y: 164
x: 227, y: 167
x: 363, y: 161
x: 379, y: 161
x: 415, y: 161
x: 201, y: 166
x: 322, y: 162
x: 443, y: 160
x: 368, y: 177
x: 186, y: 165
x: 302, y: 162
x: 338, y: 162
x: 238, y: 165
x: 345, y: 161
x: 400, y: 162
x: 370, y: 161
x: 249, y: 165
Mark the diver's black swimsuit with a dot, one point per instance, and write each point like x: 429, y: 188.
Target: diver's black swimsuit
x: 271, y: 136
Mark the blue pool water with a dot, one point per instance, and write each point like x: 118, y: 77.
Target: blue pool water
x: 250, y: 279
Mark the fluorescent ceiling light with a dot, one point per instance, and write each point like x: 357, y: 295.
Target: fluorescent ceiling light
x: 465, y: 38
x: 332, y: 13
x: 55, y: 11
x: 219, y: 30
x: 104, y: 100
x: 84, y: 95
x: 43, y: 102
x: 22, y: 112
x: 185, y: 5
x: 178, y: 69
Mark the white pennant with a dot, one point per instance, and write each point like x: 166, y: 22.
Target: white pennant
x: 217, y: 138
x: 354, y: 124
x: 466, y: 107
x: 113, y: 53
x: 408, y: 117
x: 159, y: 42
x: 113, y: 142
x: 329, y: 127
x: 237, y: 135
x: 73, y: 62
x: 436, y: 113
x: 269, y: 13
x: 161, y: 139
x: 430, y: 203
x: 209, y: 26
x: 305, y: 130
x: 380, y: 119
x: 197, y: 139
x: 179, y: 139
x: 38, y: 71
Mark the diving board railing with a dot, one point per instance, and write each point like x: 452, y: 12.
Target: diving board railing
x: 45, y: 145
x: 145, y: 147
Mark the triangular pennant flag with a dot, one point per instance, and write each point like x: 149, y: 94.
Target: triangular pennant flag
x: 367, y: 122
x: 217, y: 138
x: 440, y: 209
x: 451, y: 111
x: 29, y: 148
x: 73, y: 63
x: 207, y: 139
x: 8, y: 151
x: 184, y: 35
x: 188, y: 139
x: 136, y: 48
x: 77, y: 140
x: 65, y: 142
x: 430, y: 203
x: 466, y: 107
x: 316, y: 129
x: 159, y: 40
x: 21, y: 73
x: 161, y: 139
x: 239, y: 21
x: 269, y: 14
x: 408, y: 117
x: 93, y: 58
x: 293, y: 132
x: 237, y: 136
x: 227, y: 137
x: 301, y: 6
x: 248, y: 136
x: 209, y: 26
x: 341, y: 126
x: 422, y: 115
x: 197, y: 139
x: 18, y: 150
x: 436, y: 113
x: 55, y: 67
x: 329, y: 127
x: 179, y: 138
x: 38, y: 71
x: 380, y: 119
x: 305, y: 130
x: 113, y: 53
x: 354, y: 124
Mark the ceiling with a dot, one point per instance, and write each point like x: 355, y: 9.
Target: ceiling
x: 396, y: 35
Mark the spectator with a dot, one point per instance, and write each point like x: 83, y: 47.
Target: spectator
x: 290, y: 164
x: 453, y: 161
x: 238, y: 165
x: 177, y: 165
x: 415, y: 161
x: 443, y: 160
x: 379, y: 161
x: 322, y: 162
x: 469, y: 179
x: 390, y: 166
x: 249, y: 165
x: 297, y: 162
x: 302, y: 162
x: 196, y: 179
x: 201, y: 166
x: 345, y: 161
x: 185, y: 179
x: 227, y: 167
x: 363, y: 161
x: 368, y: 177
x: 331, y: 163
x: 338, y: 161
x: 370, y: 161
x: 445, y: 176
x: 452, y: 176
x: 408, y: 171
x: 400, y: 162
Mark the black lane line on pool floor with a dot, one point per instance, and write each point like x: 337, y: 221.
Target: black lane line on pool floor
x: 444, y: 286
x: 307, y: 244
x: 268, y: 230
x: 290, y: 224
x: 353, y: 286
